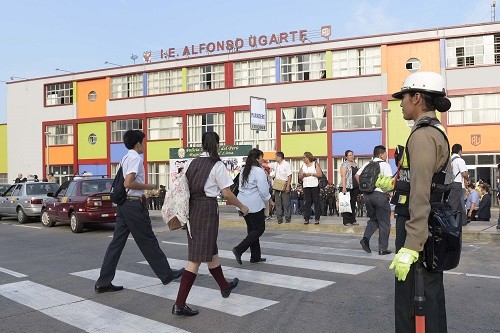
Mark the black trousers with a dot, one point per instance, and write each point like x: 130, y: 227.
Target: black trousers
x: 435, y: 304
x: 256, y: 225
x: 351, y: 217
x: 311, y: 195
x: 133, y: 217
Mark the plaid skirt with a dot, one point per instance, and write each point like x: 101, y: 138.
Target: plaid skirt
x: 204, y: 223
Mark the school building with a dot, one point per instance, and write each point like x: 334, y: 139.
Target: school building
x: 323, y: 95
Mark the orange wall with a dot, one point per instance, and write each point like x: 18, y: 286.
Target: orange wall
x: 87, y: 109
x: 468, y: 137
x: 398, y: 55
x: 60, y: 155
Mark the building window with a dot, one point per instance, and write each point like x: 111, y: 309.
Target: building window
x: 304, y: 119
x: 467, y: 51
x: 247, y: 73
x: 93, y: 139
x: 165, y: 82
x: 201, y: 123
x: 159, y: 173
x: 474, y: 109
x: 59, y: 135
x: 114, y: 169
x: 303, y: 67
x: 243, y: 135
x: 119, y: 127
x: 356, y: 62
x: 205, y: 77
x: 92, y: 96
x: 164, y: 128
x: 59, y: 94
x: 62, y: 173
x: 413, y: 65
x: 126, y: 86
x: 496, y: 48
x: 357, y: 115
x: 3, y: 178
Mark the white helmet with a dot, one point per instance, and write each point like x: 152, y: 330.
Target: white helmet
x: 424, y: 82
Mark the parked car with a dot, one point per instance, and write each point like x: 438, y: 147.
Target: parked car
x: 25, y: 200
x: 80, y: 201
x: 4, y: 187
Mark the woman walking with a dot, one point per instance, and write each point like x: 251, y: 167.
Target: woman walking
x: 309, y: 173
x: 253, y: 193
x: 207, y: 178
x: 347, y: 170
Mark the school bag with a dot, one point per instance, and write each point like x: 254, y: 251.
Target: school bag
x: 368, y: 177
x: 175, y: 210
x: 235, y: 188
x: 118, y: 191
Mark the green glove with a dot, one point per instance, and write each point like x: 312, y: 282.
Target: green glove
x: 402, y: 262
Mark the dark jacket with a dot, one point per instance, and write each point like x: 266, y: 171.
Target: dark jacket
x: 484, y: 211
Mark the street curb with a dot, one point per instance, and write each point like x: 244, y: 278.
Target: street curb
x: 467, y: 236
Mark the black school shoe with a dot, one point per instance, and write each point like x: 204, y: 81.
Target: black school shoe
x: 253, y: 261
x: 232, y: 285
x: 383, y: 253
x: 175, y: 274
x: 184, y: 311
x: 365, y: 244
x: 106, y: 289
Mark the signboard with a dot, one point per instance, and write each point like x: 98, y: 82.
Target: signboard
x: 258, y: 113
x: 233, y: 157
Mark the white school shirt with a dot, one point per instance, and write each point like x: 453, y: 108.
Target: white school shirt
x: 217, y: 179
x: 309, y: 181
x: 281, y: 170
x: 385, y: 169
x: 132, y: 163
x: 255, y: 193
x: 458, y: 166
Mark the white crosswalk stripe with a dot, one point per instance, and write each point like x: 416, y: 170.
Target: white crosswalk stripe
x: 238, y: 305
x: 265, y: 278
x: 318, y: 265
x: 78, y: 312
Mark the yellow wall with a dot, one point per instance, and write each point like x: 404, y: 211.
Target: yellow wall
x: 296, y: 144
x: 87, y: 109
x: 97, y: 150
x: 60, y: 155
x: 475, y: 139
x: 159, y: 150
x: 398, y: 55
x: 3, y: 148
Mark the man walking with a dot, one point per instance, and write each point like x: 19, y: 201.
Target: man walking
x: 282, y: 173
x: 133, y: 217
x: 377, y: 206
x: 456, y: 198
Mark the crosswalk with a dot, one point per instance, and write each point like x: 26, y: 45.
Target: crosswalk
x: 290, y: 273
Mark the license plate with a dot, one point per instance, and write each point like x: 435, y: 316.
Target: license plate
x: 106, y: 197
x: 104, y: 215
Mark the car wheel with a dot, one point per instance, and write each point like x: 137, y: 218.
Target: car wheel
x: 76, y: 226
x: 21, y: 216
x: 46, y: 220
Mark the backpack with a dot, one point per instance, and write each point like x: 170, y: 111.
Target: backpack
x: 235, y: 188
x: 369, y: 176
x: 118, y: 191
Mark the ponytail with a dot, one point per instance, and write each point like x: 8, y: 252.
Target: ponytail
x: 252, y: 160
x: 209, y: 142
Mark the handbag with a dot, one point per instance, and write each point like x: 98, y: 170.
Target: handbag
x: 279, y: 184
x: 175, y: 210
x: 345, y: 202
x: 174, y: 223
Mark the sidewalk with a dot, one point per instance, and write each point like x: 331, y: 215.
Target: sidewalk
x: 476, y: 231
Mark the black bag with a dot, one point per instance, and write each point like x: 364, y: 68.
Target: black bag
x: 235, y: 188
x: 322, y: 181
x: 443, y: 247
x: 369, y: 176
x: 118, y: 191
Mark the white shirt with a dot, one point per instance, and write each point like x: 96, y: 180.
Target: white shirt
x: 309, y: 181
x: 132, y: 163
x: 255, y: 193
x: 281, y: 170
x: 217, y: 179
x: 385, y: 169
x: 458, y: 166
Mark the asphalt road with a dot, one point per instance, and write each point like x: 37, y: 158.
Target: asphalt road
x: 311, y: 282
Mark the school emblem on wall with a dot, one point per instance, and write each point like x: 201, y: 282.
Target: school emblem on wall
x: 475, y: 139
x: 326, y: 31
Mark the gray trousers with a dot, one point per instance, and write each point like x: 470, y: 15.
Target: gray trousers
x: 378, y: 210
x: 133, y: 217
x: 456, y: 199
x: 283, y: 205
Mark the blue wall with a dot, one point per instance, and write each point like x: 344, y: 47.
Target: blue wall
x: 95, y: 169
x: 117, y: 151
x: 360, y: 142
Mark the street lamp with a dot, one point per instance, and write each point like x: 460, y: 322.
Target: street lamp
x: 47, y: 136
x: 386, y: 125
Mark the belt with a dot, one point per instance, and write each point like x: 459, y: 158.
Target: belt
x: 129, y: 197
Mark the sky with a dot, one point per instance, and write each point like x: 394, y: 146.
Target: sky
x: 39, y: 36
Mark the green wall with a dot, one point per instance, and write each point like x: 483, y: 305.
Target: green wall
x: 160, y: 150
x: 294, y: 145
x: 97, y: 150
x: 3, y: 148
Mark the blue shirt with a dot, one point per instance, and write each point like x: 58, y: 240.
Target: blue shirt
x: 256, y: 191
x: 472, y: 198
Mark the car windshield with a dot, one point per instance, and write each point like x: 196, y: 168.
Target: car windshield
x: 36, y: 189
x: 4, y: 188
x: 96, y: 186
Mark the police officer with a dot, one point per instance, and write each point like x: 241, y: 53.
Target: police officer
x: 428, y: 150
